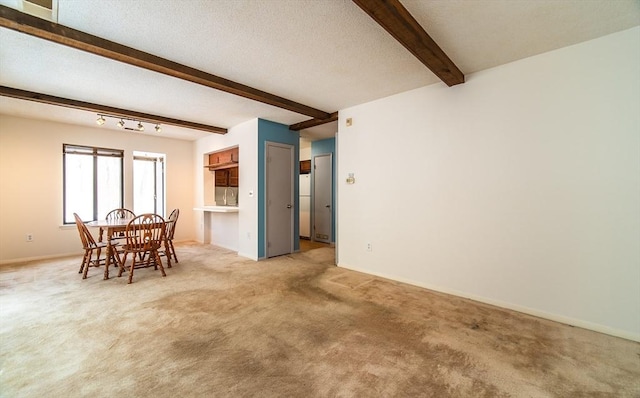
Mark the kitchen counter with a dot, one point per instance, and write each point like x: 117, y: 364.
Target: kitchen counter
x: 218, y: 209
x: 220, y: 226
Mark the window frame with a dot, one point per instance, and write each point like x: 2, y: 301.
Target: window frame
x: 95, y: 153
x: 157, y: 159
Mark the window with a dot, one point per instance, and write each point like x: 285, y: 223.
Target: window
x: 93, y: 183
x: 148, y: 183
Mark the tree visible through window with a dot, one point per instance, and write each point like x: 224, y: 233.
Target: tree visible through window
x: 92, y: 181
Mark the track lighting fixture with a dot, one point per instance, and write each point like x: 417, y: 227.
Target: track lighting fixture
x: 139, y: 127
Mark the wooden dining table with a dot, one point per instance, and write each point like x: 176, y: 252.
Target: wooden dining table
x: 117, y: 226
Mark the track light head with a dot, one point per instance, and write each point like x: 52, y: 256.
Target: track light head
x: 121, y: 124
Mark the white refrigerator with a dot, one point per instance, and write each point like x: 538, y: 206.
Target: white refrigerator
x: 305, y: 205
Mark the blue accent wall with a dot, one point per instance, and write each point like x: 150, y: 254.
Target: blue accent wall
x: 324, y: 147
x: 276, y: 132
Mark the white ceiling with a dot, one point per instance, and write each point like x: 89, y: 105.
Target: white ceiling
x: 327, y: 54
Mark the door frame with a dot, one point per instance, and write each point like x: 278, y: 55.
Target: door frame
x: 291, y: 148
x: 159, y: 162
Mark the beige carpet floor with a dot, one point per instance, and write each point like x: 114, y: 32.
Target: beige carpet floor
x: 294, y: 326
x: 306, y: 245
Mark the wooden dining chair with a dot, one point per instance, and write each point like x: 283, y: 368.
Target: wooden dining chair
x: 144, y: 235
x: 168, y: 250
x: 119, y: 214
x: 90, y: 245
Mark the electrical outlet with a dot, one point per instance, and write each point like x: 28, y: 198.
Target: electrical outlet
x: 29, y: 237
x: 369, y: 248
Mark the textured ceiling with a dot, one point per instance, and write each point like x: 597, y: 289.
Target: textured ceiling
x: 327, y: 54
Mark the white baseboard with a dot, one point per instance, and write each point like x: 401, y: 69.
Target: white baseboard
x: 233, y: 249
x: 249, y: 256
x: 36, y: 258
x: 515, y: 307
x: 187, y: 241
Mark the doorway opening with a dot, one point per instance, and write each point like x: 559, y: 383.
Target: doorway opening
x: 322, y: 198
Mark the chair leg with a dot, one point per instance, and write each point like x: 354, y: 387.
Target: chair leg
x: 133, y: 265
x: 87, y: 265
x: 116, y: 258
x: 167, y: 252
x: 84, y: 261
x: 130, y: 275
x: 152, y: 258
x: 173, y: 250
x: 148, y: 260
x: 122, y: 264
x: 159, y: 262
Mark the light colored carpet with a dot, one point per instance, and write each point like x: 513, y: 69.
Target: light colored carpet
x: 293, y: 326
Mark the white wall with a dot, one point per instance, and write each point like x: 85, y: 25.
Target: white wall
x: 31, y: 183
x: 519, y: 188
x: 305, y: 149
x: 241, y: 236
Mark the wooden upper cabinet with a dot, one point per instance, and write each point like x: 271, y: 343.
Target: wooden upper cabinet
x: 305, y: 166
x: 222, y: 178
x: 214, y: 158
x: 224, y: 165
x: 233, y: 176
x: 223, y: 159
x: 227, y: 177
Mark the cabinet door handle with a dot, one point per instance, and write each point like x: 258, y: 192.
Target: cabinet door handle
x: 288, y: 206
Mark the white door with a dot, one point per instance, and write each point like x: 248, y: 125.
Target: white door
x: 279, y: 198
x: 148, y: 183
x: 322, y: 197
